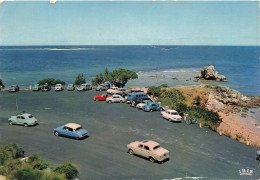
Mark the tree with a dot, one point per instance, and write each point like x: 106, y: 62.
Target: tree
x: 106, y: 74
x: 80, y: 79
x: 68, y: 169
x: 197, y: 101
x: 120, y: 77
x: 1, y: 83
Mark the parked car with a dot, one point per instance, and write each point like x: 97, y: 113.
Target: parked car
x: 84, y: 87
x: 143, y: 103
x: 46, y: 87
x: 36, y: 87
x: 152, y: 106
x: 23, y: 119
x: 171, y: 115
x: 102, y: 87
x: 14, y: 88
x: 148, y: 149
x: 102, y: 97
x: 258, y: 155
x: 70, y: 87
x: 134, y: 96
x: 112, y: 90
x: 115, y: 98
x: 71, y: 130
x: 58, y: 87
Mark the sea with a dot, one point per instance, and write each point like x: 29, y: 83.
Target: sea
x: 155, y: 65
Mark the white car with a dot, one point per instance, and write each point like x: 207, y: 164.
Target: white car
x: 58, y: 87
x: 148, y: 149
x: 115, y: 98
x: 171, y: 115
x: 112, y: 90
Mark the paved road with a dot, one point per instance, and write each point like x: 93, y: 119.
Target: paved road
x: 194, y: 152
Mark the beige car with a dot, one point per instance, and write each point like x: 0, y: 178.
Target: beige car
x: 148, y: 149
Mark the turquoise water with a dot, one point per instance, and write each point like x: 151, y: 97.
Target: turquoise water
x: 154, y: 64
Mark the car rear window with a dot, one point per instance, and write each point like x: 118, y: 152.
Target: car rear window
x: 156, y: 147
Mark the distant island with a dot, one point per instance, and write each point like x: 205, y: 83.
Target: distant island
x: 65, y: 48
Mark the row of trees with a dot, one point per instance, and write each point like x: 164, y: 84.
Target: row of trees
x: 176, y: 100
x: 33, y: 167
x: 118, y: 77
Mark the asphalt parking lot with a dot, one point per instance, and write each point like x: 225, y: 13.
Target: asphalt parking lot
x: 194, y: 152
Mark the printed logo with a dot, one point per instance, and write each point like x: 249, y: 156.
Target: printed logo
x: 246, y: 172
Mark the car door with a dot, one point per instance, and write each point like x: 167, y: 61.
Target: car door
x: 18, y: 120
x: 116, y: 98
x: 139, y: 150
x: 146, y: 151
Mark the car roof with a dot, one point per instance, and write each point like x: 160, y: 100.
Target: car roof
x: 72, y: 125
x: 150, y: 143
x: 171, y: 110
x: 25, y: 114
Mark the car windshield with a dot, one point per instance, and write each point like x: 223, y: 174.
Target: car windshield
x: 175, y: 113
x: 156, y: 147
x: 30, y: 116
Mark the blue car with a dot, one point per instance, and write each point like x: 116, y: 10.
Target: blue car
x: 71, y: 130
x: 152, y: 106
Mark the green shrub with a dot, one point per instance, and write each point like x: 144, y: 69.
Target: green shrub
x: 10, y: 152
x: 36, y: 162
x: 57, y: 81
x: 80, y: 79
x: 205, y: 116
x: 155, y: 91
x: 197, y: 100
x: 28, y: 173
x: 164, y: 85
x: 68, y: 169
x: 49, y: 81
x: 53, y: 176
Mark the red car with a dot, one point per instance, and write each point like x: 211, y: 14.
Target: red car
x: 102, y: 97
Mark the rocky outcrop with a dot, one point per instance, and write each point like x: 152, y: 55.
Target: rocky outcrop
x: 220, y: 97
x: 209, y: 73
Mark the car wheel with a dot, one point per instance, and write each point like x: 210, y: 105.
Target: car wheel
x: 100, y: 89
x: 121, y: 101
x: 10, y: 122
x: 130, y: 151
x: 25, y: 124
x: 97, y: 99
x: 151, y: 159
x: 56, y: 133
x: 109, y: 101
x: 161, y: 109
x: 151, y: 110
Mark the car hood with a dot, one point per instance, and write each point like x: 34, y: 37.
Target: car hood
x: 176, y: 116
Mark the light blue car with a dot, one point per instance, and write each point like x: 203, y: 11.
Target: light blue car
x: 152, y: 106
x: 23, y: 119
x: 71, y: 130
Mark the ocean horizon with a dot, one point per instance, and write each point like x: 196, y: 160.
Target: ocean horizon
x: 174, y: 65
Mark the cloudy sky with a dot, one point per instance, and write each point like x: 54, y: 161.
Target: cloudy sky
x: 130, y: 23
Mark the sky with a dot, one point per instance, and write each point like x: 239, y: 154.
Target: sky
x: 130, y: 23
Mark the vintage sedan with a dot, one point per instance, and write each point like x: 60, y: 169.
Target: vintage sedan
x: 143, y: 103
x: 71, y: 130
x: 171, y: 115
x: 58, y: 87
x: 115, y: 98
x: 102, y: 97
x: 148, y: 149
x: 14, y: 88
x: 36, y: 87
x: 70, y: 87
x: 25, y: 119
x: 152, y: 106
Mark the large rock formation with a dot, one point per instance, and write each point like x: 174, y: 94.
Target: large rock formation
x: 209, y: 73
x: 220, y: 97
